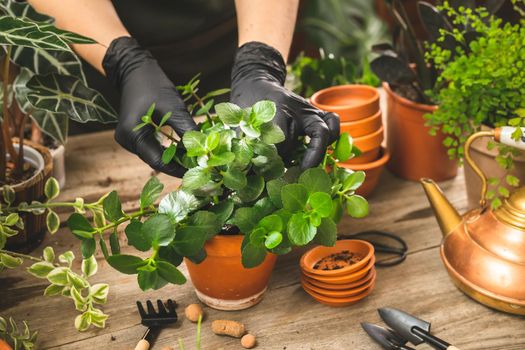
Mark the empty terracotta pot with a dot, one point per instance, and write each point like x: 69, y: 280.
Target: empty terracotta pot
x: 340, y: 302
x: 372, y: 170
x: 369, y: 145
x: 344, y: 279
x: 371, y: 274
x: 350, y: 102
x: 414, y: 153
x: 362, y: 127
x: 221, y: 281
x: 344, y: 293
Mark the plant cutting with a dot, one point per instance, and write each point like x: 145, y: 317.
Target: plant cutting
x: 16, y: 337
x: 42, y: 80
x: 479, y: 87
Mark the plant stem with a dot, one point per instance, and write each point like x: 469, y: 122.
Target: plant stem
x: 19, y: 163
x: 201, y: 103
x: 8, y: 142
x: 20, y: 255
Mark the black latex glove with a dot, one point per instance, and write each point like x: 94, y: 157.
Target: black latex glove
x: 258, y: 74
x: 142, y: 82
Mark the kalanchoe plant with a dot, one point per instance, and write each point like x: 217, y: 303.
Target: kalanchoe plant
x: 19, y: 337
x: 42, y: 79
x: 479, y: 85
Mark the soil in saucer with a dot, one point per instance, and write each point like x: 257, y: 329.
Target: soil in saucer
x: 337, y: 261
x: 27, y: 172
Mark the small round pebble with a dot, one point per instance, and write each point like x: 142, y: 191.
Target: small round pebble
x: 248, y: 341
x: 193, y: 311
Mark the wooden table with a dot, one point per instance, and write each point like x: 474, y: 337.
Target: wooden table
x: 287, y: 318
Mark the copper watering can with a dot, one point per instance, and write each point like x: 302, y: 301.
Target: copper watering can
x: 484, y: 250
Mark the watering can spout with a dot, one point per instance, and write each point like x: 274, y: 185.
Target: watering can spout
x: 447, y: 216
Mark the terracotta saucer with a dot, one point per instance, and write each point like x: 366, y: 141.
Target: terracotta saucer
x: 340, y: 302
x: 339, y: 294
x: 311, y: 257
x: 371, y: 274
x: 351, y: 277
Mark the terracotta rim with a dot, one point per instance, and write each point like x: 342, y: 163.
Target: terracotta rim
x: 331, y: 286
x: 345, y: 279
x: 385, y: 156
x: 340, y: 301
x: 338, y: 247
x: 405, y: 101
x: 373, y: 92
x: 370, y: 141
x: 344, y: 293
x: 360, y: 124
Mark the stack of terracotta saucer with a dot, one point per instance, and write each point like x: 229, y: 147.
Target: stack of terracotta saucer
x: 360, y: 116
x: 340, y: 275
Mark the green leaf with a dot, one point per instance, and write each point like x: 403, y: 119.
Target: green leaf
x: 229, y: 113
x: 48, y: 254
x: 99, y: 293
x: 300, y: 230
x: 9, y: 194
x: 67, y: 257
x: 253, y: 189
x: 221, y: 159
x: 271, y: 223
x: 243, y: 152
x: 271, y: 133
x: 136, y: 237
x: 223, y: 210
x: 88, y: 247
x: 204, y: 109
x: 9, y: 261
x: 65, y: 94
x: 127, y: 264
x: 326, y: 233
x: 212, y: 141
x: 178, y: 204
x: 148, y: 279
x: 21, y: 32
x: 112, y: 207
x: 273, y: 239
x: 195, y: 143
x: 80, y: 226
x: 512, y: 180
x: 294, y: 197
x: 316, y: 180
x: 234, y: 179
x: 89, y: 266
x: 321, y: 203
x: 41, y: 269
x: 150, y: 192
x: 343, y: 148
x: 52, y: 221
x: 264, y: 111
x: 158, y: 230
x: 354, y: 181
x: 58, y: 276
x: 337, y: 210
x: 67, y: 36
x: 252, y: 255
x: 53, y: 290
x: 164, y: 119
x: 114, y: 243
x: 357, y: 206
x: 51, y: 188
x: 82, y: 322
x: 249, y: 130
x: 246, y: 219
x: 195, y: 178
x: 169, y: 153
x: 205, y: 222
x: 170, y: 273
x: 274, y: 187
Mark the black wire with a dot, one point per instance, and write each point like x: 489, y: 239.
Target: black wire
x: 400, y: 252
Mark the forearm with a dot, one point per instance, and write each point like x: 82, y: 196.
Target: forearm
x: 269, y: 21
x: 96, y: 19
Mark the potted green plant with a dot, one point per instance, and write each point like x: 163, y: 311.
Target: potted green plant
x: 479, y: 87
x: 407, y: 77
x: 42, y: 80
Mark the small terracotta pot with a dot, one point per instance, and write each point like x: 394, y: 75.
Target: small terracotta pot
x: 345, y: 293
x: 340, y: 302
x: 486, y: 160
x: 221, y: 281
x: 369, y: 145
x: 362, y: 127
x: 414, y: 152
x: 29, y: 190
x: 372, y: 170
x: 371, y: 274
x: 350, y: 102
x: 345, y: 279
x: 361, y: 248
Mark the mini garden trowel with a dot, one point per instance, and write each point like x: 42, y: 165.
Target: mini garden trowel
x: 387, y: 338
x: 412, y: 328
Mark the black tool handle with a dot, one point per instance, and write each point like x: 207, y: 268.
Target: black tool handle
x: 432, y: 340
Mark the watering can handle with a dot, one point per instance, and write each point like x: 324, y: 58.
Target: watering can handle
x: 503, y: 135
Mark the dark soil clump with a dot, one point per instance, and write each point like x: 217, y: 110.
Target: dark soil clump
x: 337, y: 261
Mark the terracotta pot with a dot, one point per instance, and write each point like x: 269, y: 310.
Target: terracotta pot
x: 350, y: 102
x: 372, y: 170
x: 486, y: 160
x: 362, y: 127
x: 371, y: 274
x: 221, y: 281
x: 345, y: 279
x: 414, y: 153
x: 369, y: 145
x: 32, y: 189
x: 339, y: 302
x: 345, y: 293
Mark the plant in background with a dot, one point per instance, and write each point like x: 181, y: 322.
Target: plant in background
x: 20, y: 338
x: 313, y: 74
x: 480, y: 85
x: 41, y: 79
x: 394, y: 62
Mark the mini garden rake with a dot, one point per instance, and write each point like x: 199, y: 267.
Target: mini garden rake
x: 155, y: 319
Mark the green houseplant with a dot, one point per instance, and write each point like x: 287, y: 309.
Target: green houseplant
x: 478, y: 86
x: 42, y: 81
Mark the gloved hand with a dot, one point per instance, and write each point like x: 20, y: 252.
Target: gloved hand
x: 142, y: 82
x: 258, y: 74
